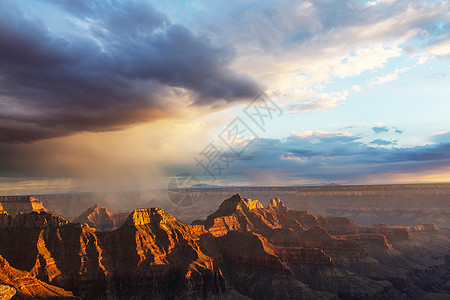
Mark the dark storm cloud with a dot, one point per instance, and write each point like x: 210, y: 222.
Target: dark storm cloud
x: 337, y: 157
x: 119, y: 72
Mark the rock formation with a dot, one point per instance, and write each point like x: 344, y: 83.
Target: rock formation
x: 6, y: 292
x: 335, y: 254
x: 101, y: 219
x: 24, y: 285
x: 240, y: 251
x: 16, y: 204
x: 151, y: 255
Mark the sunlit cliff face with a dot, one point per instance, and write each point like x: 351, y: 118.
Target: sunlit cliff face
x: 240, y: 246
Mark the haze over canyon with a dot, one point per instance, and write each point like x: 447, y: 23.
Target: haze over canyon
x: 242, y: 249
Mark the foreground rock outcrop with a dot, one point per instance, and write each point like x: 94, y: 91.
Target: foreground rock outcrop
x: 6, y: 292
x: 24, y: 285
x: 243, y: 250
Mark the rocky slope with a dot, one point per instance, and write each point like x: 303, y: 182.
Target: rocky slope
x: 151, y: 255
x: 101, y: 219
x: 243, y: 250
x: 16, y: 204
x: 398, y: 204
x: 24, y: 285
x: 337, y: 255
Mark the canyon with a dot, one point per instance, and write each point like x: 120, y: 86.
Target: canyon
x: 16, y: 204
x: 395, y: 204
x: 241, y: 250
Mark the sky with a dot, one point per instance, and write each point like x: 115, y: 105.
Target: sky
x: 125, y: 95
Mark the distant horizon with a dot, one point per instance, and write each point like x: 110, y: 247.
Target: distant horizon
x: 224, y: 187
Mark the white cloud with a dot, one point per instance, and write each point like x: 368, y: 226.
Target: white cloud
x: 307, y: 44
x: 388, y: 77
x: 320, y: 134
x: 365, y: 58
x: 323, y: 101
x: 357, y: 88
x: 365, y: 40
x: 439, y: 50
